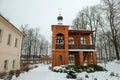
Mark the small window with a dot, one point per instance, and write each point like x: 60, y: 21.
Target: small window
x: 5, y: 64
x: 82, y: 40
x: 13, y: 65
x: 0, y: 35
x: 9, y: 40
x: 71, y: 40
x: 16, y: 42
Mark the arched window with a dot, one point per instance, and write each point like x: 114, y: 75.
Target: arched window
x: 71, y: 40
x: 60, y: 57
x: 82, y: 41
x: 59, y: 38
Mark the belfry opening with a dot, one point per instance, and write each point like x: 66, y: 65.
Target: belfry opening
x: 71, y: 46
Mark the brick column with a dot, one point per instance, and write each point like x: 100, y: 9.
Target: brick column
x: 87, y: 38
x: 66, y: 57
x: 88, y: 58
x: 91, y: 58
x: 76, y: 59
x: 53, y: 58
x: 81, y: 58
x: 94, y: 58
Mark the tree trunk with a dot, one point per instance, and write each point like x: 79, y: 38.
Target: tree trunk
x: 106, y: 52
x: 116, y: 49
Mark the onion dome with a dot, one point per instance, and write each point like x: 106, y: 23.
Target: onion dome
x: 60, y: 18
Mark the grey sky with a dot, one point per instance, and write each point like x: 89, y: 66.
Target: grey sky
x: 42, y: 13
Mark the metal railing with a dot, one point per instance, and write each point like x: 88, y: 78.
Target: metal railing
x: 62, y: 46
x: 81, y: 47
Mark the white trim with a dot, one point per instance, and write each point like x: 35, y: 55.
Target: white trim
x: 82, y: 50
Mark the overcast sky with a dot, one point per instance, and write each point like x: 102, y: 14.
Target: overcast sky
x: 42, y: 13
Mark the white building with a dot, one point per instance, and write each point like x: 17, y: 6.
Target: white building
x: 10, y: 46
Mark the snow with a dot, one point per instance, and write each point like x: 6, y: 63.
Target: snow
x: 42, y: 72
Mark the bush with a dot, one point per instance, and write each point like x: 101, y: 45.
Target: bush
x: 56, y: 69
x: 50, y: 68
x: 117, y: 75
x: 17, y: 72
x: 26, y: 69
x: 61, y: 69
x: 97, y: 68
x: 112, y: 74
x: 118, y: 61
x: 89, y: 68
x: 11, y: 72
x: 36, y: 66
x: 86, y: 76
x: 2, y: 75
x: 24, y: 64
x: 95, y: 78
x: 80, y: 78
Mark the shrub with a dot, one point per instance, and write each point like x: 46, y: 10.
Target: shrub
x: 118, y: 61
x: 117, y: 75
x: 2, y: 74
x: 11, y: 72
x: 95, y: 78
x: 86, y: 76
x: 50, y: 68
x: 112, y: 74
x: 80, y: 78
x: 89, y: 68
x: 17, y: 72
x: 24, y: 64
x: 36, y: 66
x: 80, y: 70
x: 61, y: 69
x: 56, y: 69
x: 97, y: 67
x: 26, y: 69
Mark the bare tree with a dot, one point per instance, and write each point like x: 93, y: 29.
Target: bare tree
x: 46, y: 46
x: 34, y: 44
x: 87, y: 19
x: 112, y: 13
x: 76, y: 24
x: 41, y: 44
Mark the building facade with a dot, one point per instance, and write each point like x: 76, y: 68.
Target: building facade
x: 10, y: 46
x: 77, y: 43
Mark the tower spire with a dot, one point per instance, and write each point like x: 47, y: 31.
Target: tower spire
x: 59, y: 18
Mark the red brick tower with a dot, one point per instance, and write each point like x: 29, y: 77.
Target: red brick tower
x: 59, y: 45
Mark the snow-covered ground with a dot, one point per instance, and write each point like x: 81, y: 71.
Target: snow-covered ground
x: 43, y: 73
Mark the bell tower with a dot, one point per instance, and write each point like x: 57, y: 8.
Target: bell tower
x: 59, y: 43
x: 67, y: 42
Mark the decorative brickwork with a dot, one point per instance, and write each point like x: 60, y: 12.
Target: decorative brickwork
x: 72, y: 42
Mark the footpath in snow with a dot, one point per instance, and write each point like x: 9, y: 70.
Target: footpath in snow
x: 42, y: 72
